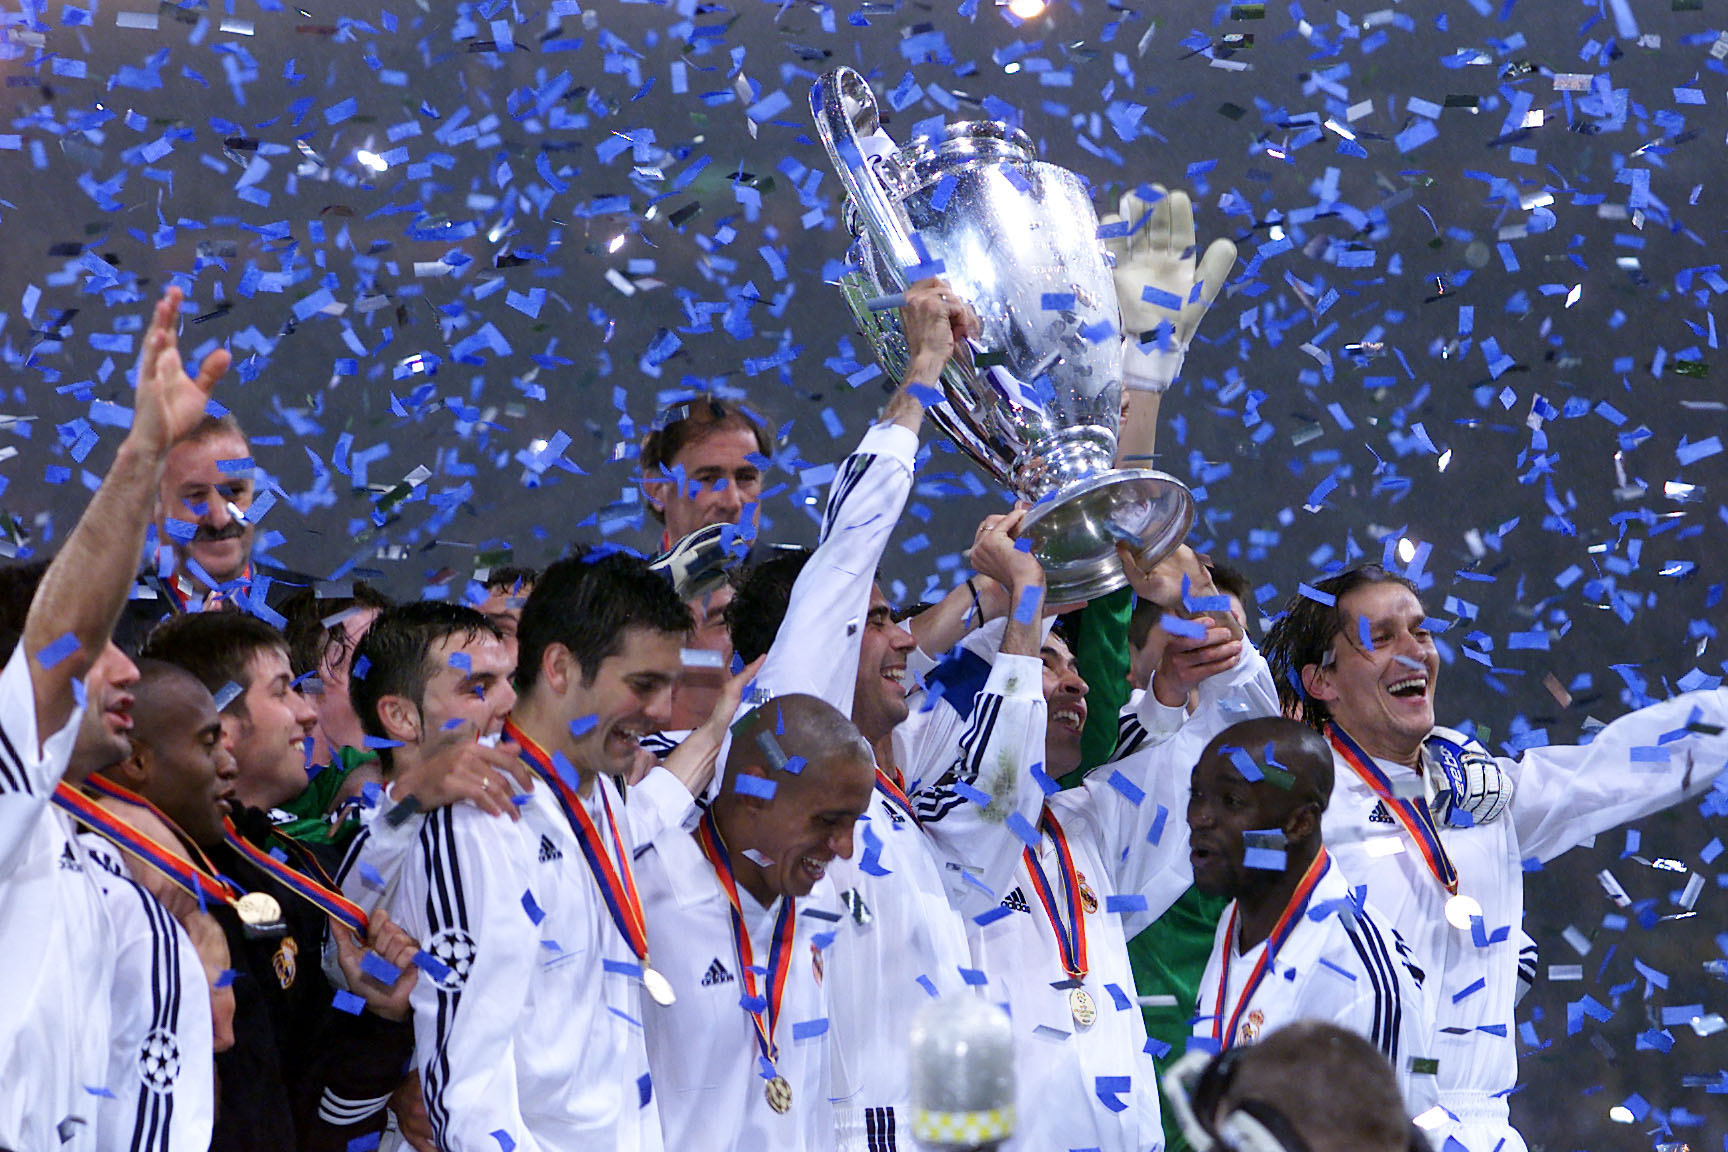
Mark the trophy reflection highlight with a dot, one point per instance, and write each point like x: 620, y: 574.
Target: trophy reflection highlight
x: 1038, y: 402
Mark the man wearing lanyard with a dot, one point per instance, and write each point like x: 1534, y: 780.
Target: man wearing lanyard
x: 1294, y: 943
x: 54, y: 1017
x: 527, y: 1027
x: 302, y: 1074
x: 1441, y: 832
x: 834, y: 637
x: 741, y: 913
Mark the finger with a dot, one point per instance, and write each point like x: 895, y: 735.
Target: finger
x: 1181, y: 223
x: 1010, y: 523
x: 1215, y: 268
x: 1158, y: 238
x: 215, y: 366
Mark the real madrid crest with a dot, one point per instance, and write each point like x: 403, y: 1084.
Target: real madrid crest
x: 1088, y: 898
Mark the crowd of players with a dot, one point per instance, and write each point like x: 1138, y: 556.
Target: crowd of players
x: 631, y: 854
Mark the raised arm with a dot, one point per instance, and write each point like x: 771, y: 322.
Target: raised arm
x: 86, y: 586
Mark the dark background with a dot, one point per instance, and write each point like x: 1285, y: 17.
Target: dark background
x: 1498, y: 342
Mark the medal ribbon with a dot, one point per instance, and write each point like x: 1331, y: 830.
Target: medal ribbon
x: 1292, y: 916
x: 204, y: 886
x: 617, y: 885
x: 779, y: 956
x: 1412, y: 814
x: 1070, y: 937
x: 320, y: 895
x: 895, y: 795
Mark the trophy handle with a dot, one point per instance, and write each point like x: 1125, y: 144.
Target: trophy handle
x: 846, y: 117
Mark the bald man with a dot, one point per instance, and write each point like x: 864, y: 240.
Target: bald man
x: 1295, y: 943
x: 748, y: 890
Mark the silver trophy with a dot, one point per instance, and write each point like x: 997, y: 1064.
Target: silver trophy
x: 1036, y: 399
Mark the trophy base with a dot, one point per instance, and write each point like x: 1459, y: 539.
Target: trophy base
x: 1075, y: 530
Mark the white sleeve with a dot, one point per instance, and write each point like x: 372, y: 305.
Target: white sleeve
x: 657, y: 802
x: 375, y: 859
x: 461, y: 896
x: 1641, y: 763
x: 29, y: 768
x: 977, y: 813
x: 1139, y: 808
x: 164, y: 1099
x: 816, y: 649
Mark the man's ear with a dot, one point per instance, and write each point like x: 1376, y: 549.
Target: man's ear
x: 558, y: 669
x: 135, y: 771
x: 1303, y: 825
x: 758, y: 791
x: 653, y: 489
x: 1317, y: 682
x: 400, y: 719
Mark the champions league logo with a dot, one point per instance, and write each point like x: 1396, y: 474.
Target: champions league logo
x: 454, y: 949
x: 159, y: 1061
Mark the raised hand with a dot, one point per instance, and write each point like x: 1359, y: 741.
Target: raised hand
x: 392, y: 944
x: 168, y: 402
x: 1158, y: 253
x: 454, y: 766
x: 935, y: 321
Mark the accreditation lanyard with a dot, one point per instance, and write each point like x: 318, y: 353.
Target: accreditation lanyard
x: 1070, y: 936
x: 1412, y: 814
x: 203, y: 884
x: 764, y: 1010
x: 617, y: 885
x: 1293, y: 913
x: 322, y: 896
x: 894, y: 795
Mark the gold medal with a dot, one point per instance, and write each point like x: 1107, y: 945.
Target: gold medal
x: 779, y: 1094
x: 258, y: 910
x: 1083, y: 1008
x: 659, y: 988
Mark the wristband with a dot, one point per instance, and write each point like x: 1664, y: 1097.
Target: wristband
x: 1149, y: 368
x: 977, y: 604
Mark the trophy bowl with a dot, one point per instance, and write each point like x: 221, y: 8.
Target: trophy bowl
x: 1036, y: 398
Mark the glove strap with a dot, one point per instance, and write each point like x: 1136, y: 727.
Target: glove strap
x: 1149, y: 368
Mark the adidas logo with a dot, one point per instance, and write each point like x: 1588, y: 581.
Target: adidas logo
x: 716, y: 974
x: 1016, y: 902
x: 549, y: 851
x: 1380, y: 815
x: 69, y: 858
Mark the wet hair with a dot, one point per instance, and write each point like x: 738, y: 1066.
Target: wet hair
x: 1303, y: 635
x: 688, y: 421
x: 214, y: 427
x: 394, y: 658
x: 216, y: 647
x: 1234, y: 582
x: 764, y: 591
x: 309, y: 638
x: 587, y: 602
x: 18, y: 584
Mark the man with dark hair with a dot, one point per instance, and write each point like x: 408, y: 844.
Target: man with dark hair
x: 1307, y: 1087
x: 1441, y: 831
x: 54, y: 1020
x: 1294, y: 944
x: 244, y: 664
x: 301, y: 1074
x: 526, y: 1034
x: 737, y: 912
x: 323, y: 633
x: 702, y: 464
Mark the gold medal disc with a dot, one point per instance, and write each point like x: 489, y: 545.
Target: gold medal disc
x: 659, y: 988
x: 779, y: 1094
x: 258, y: 909
x: 1083, y: 1008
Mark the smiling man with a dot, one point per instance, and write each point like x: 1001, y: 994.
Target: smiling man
x: 244, y: 664
x: 1441, y: 832
x: 738, y: 909
x: 527, y: 1033
x: 1293, y: 944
